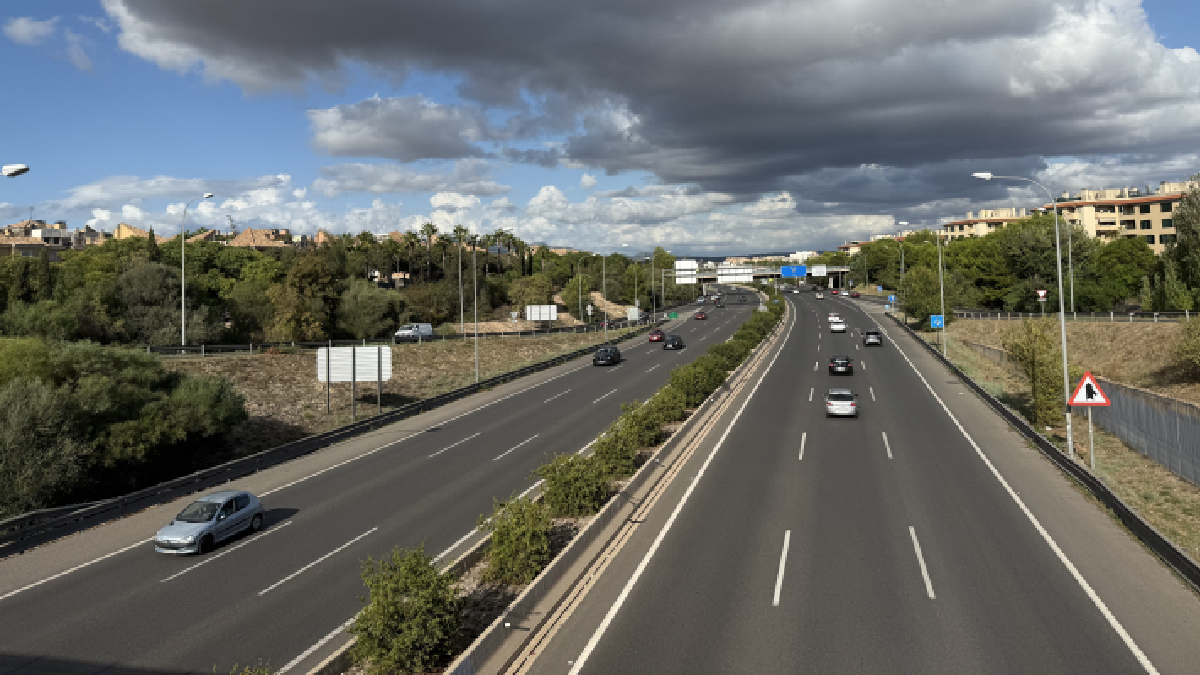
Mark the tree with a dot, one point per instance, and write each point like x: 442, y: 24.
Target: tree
x: 531, y: 290
x: 1121, y: 264
x: 1185, y: 252
x: 366, y: 311
x: 429, y: 231
x: 576, y: 289
x: 153, y: 254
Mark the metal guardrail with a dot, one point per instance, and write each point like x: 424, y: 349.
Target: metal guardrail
x: 1152, y: 538
x: 21, y: 532
x: 1104, y: 317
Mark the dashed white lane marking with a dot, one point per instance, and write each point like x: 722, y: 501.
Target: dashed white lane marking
x: 864, y: 365
x: 300, y: 571
x: 230, y: 550
x: 815, y: 364
x: 518, y: 445
x: 803, y: 439
x: 653, y: 367
x: 605, y: 396
x: 463, y: 440
x: 787, y: 537
x: 872, y: 390
x: 556, y: 396
x: 921, y: 559
x: 887, y: 445
x: 811, y: 390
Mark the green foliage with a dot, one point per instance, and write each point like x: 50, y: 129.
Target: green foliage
x: 367, y: 311
x: 520, y: 545
x: 260, y: 669
x: 411, y: 619
x: 1187, y: 351
x: 533, y: 290
x: 574, y: 485
x: 1034, y: 347
x: 110, y: 415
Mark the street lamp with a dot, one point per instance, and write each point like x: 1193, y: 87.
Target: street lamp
x: 1062, y: 318
x: 183, y: 272
x: 13, y: 170
x: 903, y: 224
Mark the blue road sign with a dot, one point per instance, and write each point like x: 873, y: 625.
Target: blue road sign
x: 879, y: 289
x: 794, y: 270
x: 891, y: 298
x: 936, y: 321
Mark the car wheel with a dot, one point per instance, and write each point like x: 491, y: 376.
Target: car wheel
x: 206, y: 544
x: 256, y: 523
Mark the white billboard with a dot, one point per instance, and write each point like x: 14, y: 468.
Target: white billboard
x: 370, y: 364
x: 541, y: 312
x: 685, y: 271
x: 818, y: 271
x: 730, y: 274
x: 633, y: 314
x: 686, y: 265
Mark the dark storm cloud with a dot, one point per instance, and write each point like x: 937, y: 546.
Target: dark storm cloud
x: 736, y: 97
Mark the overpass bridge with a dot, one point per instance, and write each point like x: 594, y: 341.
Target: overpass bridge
x: 837, y: 274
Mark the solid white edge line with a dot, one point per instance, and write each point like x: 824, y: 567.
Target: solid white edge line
x: 298, y: 572
x: 320, y: 643
x: 886, y: 444
x: 75, y: 568
x: 803, y: 438
x: 452, y: 445
x: 616, y: 606
x: 517, y: 446
x: 1087, y: 588
x: 605, y: 396
x: 787, y: 538
x: 921, y: 559
x: 209, y: 559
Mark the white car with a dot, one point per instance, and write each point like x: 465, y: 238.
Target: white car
x: 841, y: 402
x: 834, y: 316
x: 837, y: 326
x: 820, y: 296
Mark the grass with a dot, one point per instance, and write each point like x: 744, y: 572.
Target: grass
x: 1169, y: 503
x: 285, y: 401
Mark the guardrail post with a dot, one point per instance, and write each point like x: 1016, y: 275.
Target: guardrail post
x: 1156, y: 317
x: 251, y: 349
x: 201, y: 349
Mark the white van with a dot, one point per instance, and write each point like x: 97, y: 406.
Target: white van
x: 412, y: 332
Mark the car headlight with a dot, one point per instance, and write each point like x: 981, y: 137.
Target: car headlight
x: 188, y: 540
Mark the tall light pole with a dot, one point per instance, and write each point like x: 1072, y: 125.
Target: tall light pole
x: 475, y: 291
x: 1062, y: 318
x: 942, y: 284
x: 903, y: 224
x: 183, y: 271
x: 604, y: 292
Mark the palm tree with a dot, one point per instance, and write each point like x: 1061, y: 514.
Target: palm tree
x: 429, y: 230
x: 410, y: 240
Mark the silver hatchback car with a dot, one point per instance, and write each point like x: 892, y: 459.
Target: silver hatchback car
x: 208, y: 520
x: 841, y: 402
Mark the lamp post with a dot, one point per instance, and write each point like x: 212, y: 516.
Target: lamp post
x: 14, y: 170
x: 475, y: 291
x: 942, y: 285
x: 903, y: 224
x: 1062, y: 319
x: 183, y: 271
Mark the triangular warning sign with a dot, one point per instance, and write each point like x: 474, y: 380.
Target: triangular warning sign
x: 1089, y: 393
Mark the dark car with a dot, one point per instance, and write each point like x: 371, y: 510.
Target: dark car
x: 872, y: 337
x: 841, y: 365
x: 855, y: 294
x: 700, y: 315
x: 606, y: 356
x: 657, y: 336
x: 718, y: 303
x: 673, y: 342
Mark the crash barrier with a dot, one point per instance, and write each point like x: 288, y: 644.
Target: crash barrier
x: 1152, y: 538
x: 1104, y: 317
x: 1164, y: 429
x: 22, y: 532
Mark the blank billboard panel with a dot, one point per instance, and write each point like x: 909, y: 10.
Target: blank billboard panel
x: 366, y: 361
x: 686, y: 265
x: 819, y: 271
x: 541, y: 312
x: 685, y: 277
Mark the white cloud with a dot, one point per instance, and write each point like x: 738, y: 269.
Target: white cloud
x: 131, y: 212
x: 404, y: 129
x: 26, y: 30
x: 299, y: 193
x: 100, y: 218
x: 453, y: 201
x: 587, y: 181
x: 466, y: 177
x: 76, y: 52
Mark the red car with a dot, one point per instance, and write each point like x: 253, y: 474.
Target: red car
x: 833, y: 292
x: 657, y: 336
x: 855, y: 294
x: 700, y: 315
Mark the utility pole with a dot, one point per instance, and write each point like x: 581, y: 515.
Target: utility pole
x: 942, y: 284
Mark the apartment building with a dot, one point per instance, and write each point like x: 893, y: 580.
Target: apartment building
x: 978, y: 225
x: 1126, y: 212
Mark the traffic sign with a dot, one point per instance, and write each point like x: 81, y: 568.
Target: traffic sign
x: 937, y: 321
x: 879, y: 289
x: 891, y: 298
x: 794, y: 271
x: 1089, y: 393
x: 673, y: 315
x: 1041, y: 296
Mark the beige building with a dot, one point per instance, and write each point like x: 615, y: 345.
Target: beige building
x: 978, y: 225
x: 1126, y: 212
x: 125, y: 231
x: 261, y: 239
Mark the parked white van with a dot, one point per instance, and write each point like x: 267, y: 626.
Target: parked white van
x: 413, y: 332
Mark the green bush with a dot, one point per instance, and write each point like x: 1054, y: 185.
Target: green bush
x: 1187, y: 351
x: 520, y: 545
x: 575, y: 485
x: 260, y: 669
x: 41, y: 458
x: 1034, y: 347
x: 411, y: 621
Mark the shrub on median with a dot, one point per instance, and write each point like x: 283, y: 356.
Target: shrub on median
x: 411, y: 620
x: 575, y: 485
x: 520, y: 545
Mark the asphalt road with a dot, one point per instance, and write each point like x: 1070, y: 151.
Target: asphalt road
x: 815, y: 545
x: 273, y: 596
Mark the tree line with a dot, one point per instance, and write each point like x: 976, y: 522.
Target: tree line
x: 128, y: 291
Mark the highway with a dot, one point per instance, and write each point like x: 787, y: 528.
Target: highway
x: 275, y: 595
x: 883, y: 544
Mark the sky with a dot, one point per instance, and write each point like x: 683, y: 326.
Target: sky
x: 708, y: 127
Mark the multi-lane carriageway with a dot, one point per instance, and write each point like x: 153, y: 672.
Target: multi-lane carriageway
x: 120, y: 607
x: 923, y: 537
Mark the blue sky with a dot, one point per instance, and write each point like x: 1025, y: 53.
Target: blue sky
x: 124, y: 109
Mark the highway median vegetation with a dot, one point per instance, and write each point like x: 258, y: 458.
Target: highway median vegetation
x: 574, y: 486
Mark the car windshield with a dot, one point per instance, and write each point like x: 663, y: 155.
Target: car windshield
x: 840, y: 398
x: 407, y: 326
x: 841, y: 359
x: 198, y: 512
